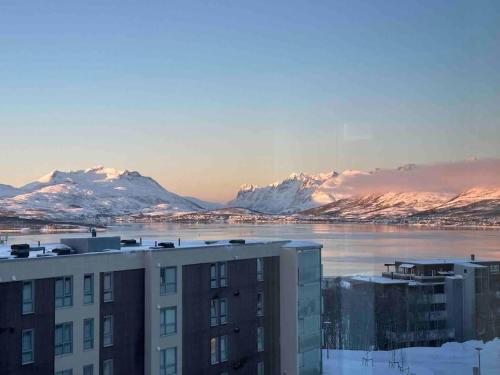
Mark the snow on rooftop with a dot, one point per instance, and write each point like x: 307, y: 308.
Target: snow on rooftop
x: 5, y: 250
x: 378, y: 280
x: 434, y: 261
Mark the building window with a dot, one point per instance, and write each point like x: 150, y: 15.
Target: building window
x: 28, y: 297
x: 260, y: 304
x: 168, y: 361
x: 260, y: 339
x: 223, y: 311
x: 63, y: 339
x: 168, y: 321
x: 223, y: 274
x: 88, y: 334
x: 27, y: 346
x: 107, y: 336
x: 64, y: 292
x: 260, y: 368
x: 218, y: 311
x: 168, y: 280
x: 108, y: 287
x: 88, y: 289
x: 88, y: 370
x: 219, y: 350
x: 213, y: 276
x: 65, y: 372
x: 214, y: 312
x: 218, y: 275
x: 107, y: 367
x: 260, y: 269
x: 214, y: 350
x: 223, y: 349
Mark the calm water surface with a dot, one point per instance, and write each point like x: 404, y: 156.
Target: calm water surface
x: 348, y: 249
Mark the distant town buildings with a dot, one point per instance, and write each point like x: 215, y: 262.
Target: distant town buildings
x: 414, y: 303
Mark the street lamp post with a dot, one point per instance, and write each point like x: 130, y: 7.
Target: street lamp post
x: 479, y: 358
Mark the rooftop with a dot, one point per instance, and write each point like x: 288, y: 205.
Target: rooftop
x: 45, y: 249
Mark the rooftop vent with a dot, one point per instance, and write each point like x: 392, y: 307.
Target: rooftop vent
x: 62, y: 251
x: 131, y: 242
x: 237, y: 242
x: 20, y: 250
x: 166, y: 245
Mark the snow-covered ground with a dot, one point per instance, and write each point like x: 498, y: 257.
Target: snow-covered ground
x: 452, y: 358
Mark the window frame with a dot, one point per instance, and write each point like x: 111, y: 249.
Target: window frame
x: 260, y: 368
x: 30, y: 350
x: 260, y: 304
x: 167, y: 287
x: 108, y: 362
x: 88, y: 295
x: 109, y: 335
x: 67, y: 292
x: 108, y: 293
x: 214, y: 276
x: 31, y: 301
x: 223, y: 343
x: 260, y: 339
x: 214, y: 350
x: 164, y: 324
x: 64, y: 327
x: 90, y: 339
x: 223, y: 313
x: 86, y: 368
x: 260, y: 269
x: 165, y: 367
x: 222, y: 273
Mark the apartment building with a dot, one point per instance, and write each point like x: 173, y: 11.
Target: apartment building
x: 105, y: 306
x: 423, y: 302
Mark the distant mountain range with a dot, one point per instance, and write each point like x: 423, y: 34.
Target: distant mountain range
x: 95, y: 192
x: 461, y: 193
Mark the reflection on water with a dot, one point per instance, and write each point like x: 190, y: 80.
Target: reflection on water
x: 348, y: 249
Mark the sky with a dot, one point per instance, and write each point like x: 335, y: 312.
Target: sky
x: 207, y: 95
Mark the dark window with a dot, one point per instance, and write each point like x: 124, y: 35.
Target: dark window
x: 213, y: 276
x: 222, y: 275
x: 260, y: 304
x: 28, y: 297
x: 107, y: 339
x: 260, y: 269
x: 88, y: 370
x: 88, y: 334
x: 108, y: 287
x: 88, y: 289
x: 27, y: 346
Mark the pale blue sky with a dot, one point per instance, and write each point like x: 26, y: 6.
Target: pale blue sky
x: 205, y: 96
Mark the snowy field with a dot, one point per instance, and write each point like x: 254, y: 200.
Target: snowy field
x: 451, y: 358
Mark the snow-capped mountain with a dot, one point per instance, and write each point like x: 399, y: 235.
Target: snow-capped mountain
x: 99, y: 191
x: 296, y: 193
x: 381, y: 206
x: 383, y: 194
x: 7, y: 191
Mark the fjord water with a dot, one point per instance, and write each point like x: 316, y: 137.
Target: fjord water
x: 348, y: 249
